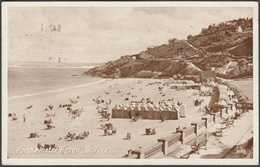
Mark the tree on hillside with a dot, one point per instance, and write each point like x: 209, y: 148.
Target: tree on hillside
x: 173, y: 40
x: 189, y: 36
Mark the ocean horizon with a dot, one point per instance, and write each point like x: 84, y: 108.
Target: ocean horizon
x: 52, y: 64
x: 35, y: 80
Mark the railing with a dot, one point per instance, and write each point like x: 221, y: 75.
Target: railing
x: 152, y: 150
x: 247, y: 106
x: 137, y: 153
x: 173, y: 139
x: 218, y: 114
x: 189, y: 131
x: 201, y: 124
x: 202, y: 137
x: 210, y: 119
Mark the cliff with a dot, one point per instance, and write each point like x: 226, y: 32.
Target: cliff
x: 226, y: 47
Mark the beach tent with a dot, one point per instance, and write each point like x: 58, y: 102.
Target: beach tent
x: 157, y: 114
x: 182, y: 110
x: 142, y: 111
x: 125, y: 112
x: 146, y: 111
x: 116, y: 112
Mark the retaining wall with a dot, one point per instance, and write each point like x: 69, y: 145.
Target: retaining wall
x: 194, y: 134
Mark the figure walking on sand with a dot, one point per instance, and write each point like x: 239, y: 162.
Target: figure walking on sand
x: 23, y: 117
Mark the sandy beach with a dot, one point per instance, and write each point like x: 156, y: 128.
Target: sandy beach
x: 102, y: 146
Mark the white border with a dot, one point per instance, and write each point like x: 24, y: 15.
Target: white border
x: 6, y: 161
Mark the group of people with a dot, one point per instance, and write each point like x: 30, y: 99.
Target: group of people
x: 74, y: 136
x: 14, y: 117
x: 109, y: 129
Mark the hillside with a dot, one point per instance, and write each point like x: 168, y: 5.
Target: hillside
x: 226, y: 47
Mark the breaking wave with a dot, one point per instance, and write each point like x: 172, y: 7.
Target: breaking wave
x: 57, y: 90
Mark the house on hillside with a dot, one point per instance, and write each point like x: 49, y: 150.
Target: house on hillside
x: 250, y: 65
x: 230, y: 23
x: 239, y: 29
x: 172, y: 41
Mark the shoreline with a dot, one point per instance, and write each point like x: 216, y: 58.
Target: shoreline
x: 56, y: 90
x: 91, y: 121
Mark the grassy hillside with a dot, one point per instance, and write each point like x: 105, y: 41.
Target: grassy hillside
x: 217, y: 46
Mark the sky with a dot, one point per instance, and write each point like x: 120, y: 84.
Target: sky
x: 101, y: 34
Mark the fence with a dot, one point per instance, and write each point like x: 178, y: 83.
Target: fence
x: 201, y: 124
x: 202, y: 138
x: 245, y: 106
x: 211, y: 119
x: 153, y: 150
x: 148, y: 152
x: 170, y: 143
x: 196, y: 133
x: 218, y: 115
x: 190, y: 130
x: 173, y: 139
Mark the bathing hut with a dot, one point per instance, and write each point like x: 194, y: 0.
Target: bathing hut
x: 182, y: 110
x: 146, y: 111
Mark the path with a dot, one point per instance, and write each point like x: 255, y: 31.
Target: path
x: 227, y: 67
x: 222, y: 147
x: 192, y: 46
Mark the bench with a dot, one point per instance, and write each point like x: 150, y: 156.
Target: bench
x: 218, y: 133
x: 195, y: 149
x: 153, y: 150
x: 238, y: 115
x: 230, y: 123
x: 244, y: 107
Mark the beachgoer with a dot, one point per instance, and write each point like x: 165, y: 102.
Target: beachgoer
x: 23, y: 117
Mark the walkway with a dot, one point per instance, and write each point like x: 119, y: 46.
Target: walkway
x: 222, y: 147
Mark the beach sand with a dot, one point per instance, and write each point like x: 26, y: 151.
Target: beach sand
x: 95, y: 145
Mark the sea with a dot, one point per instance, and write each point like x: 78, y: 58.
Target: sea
x: 34, y: 79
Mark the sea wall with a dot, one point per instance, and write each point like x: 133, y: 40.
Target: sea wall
x: 196, y: 133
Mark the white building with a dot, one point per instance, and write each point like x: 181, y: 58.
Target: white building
x: 239, y: 29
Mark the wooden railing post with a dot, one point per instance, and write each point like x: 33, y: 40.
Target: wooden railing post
x: 138, y: 152
x: 214, y: 117
x: 164, y: 146
x: 221, y: 114
x: 141, y: 155
x: 196, y: 127
x: 231, y: 106
x: 206, y: 121
x: 182, y: 135
x: 227, y: 108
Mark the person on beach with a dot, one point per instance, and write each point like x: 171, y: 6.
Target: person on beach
x: 14, y: 117
x: 23, y: 117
